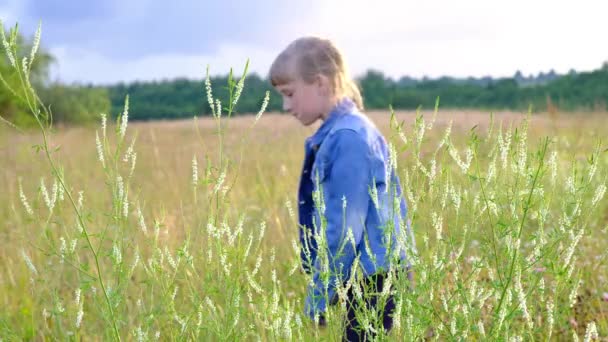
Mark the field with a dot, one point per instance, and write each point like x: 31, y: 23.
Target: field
x: 190, y: 234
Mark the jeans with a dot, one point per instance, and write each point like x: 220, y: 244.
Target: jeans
x: 371, y: 288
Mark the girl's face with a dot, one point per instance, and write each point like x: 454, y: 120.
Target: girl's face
x: 308, y: 102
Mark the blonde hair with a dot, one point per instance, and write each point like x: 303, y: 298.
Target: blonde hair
x: 312, y: 56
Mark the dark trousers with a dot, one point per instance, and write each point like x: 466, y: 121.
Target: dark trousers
x: 371, y: 289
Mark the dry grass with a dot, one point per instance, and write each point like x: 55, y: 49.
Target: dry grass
x: 270, y: 160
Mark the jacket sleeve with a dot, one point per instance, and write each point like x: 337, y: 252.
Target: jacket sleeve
x: 344, y: 186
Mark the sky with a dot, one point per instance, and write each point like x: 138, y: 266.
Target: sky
x: 109, y: 41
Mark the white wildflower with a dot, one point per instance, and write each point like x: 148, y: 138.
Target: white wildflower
x: 238, y: 90
x: 446, y: 135
x: 125, y: 207
x: 218, y: 105
x: 54, y: 192
x: 220, y: 181
x: 553, y: 166
x: 116, y: 254
x: 522, y: 152
x: 103, y: 125
x: 99, y: 150
x: 521, y: 296
x: 570, y: 185
x: 170, y: 259
x: 45, y: 195
x: 194, y: 171
x: 7, y: 47
x: 453, y: 325
x: 437, y: 224
x: 481, y: 329
x: 77, y: 296
x: 255, y: 286
x: 550, y: 319
x: 249, y: 243
x: 262, y: 230
x: 199, y: 315
x: 591, y: 332
x: 80, y: 199
x: 24, y: 65
x: 263, y: 107
x: 209, y: 95
x: 592, y: 169
x: 504, y: 147
x: 29, y: 263
x: 392, y: 157
x: 290, y: 209
x: 573, y: 293
x: 226, y: 265
x: 571, y: 248
x: 210, y: 304
x: 140, y: 335
x: 174, y: 293
x: 402, y: 137
x: 129, y: 151
x: 397, y: 315
x: 23, y: 198
x: 62, y: 249
x: 599, y: 194
x: 142, y: 221
x: 121, y: 187
x: 124, y: 119
x: 135, y: 262
x: 464, y: 165
x: 35, y: 42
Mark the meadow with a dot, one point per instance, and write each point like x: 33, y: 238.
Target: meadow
x: 186, y: 229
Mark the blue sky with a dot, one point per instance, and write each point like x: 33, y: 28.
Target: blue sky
x: 114, y: 40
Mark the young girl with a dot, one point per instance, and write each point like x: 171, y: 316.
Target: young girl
x: 351, y: 209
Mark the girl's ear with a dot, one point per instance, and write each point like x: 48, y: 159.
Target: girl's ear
x: 322, y: 83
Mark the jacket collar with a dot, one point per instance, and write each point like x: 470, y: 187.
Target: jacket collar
x: 344, y: 106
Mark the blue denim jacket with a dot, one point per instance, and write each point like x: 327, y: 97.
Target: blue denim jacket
x: 343, y: 161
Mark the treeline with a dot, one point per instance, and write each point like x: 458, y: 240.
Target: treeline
x: 74, y: 104
x: 587, y: 91
x: 184, y: 98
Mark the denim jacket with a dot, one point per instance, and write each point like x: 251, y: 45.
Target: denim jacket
x: 347, y: 183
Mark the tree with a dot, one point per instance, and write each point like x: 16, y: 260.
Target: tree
x: 12, y: 106
x: 75, y: 104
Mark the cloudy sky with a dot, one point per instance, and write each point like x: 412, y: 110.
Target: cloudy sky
x: 108, y: 41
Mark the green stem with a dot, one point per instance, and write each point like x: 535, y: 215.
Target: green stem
x: 27, y: 89
x: 521, y: 226
x: 485, y: 199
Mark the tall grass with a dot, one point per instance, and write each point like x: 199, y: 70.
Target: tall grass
x: 510, y: 233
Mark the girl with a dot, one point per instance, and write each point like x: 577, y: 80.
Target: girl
x: 351, y: 209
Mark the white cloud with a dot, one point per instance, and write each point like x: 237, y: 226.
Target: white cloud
x: 73, y: 64
x: 399, y: 37
x: 470, y: 37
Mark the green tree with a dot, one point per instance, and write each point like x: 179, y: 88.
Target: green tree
x: 12, y: 106
x: 75, y: 104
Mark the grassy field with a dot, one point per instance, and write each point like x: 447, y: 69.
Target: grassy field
x: 194, y: 237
